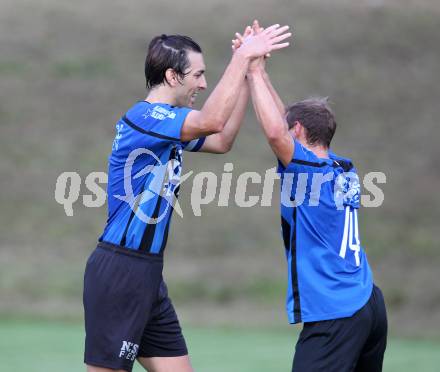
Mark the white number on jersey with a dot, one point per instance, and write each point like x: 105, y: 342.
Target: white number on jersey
x: 350, y: 237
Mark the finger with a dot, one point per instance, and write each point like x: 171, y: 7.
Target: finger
x: 271, y: 28
x: 279, y: 46
x: 277, y: 39
x: 278, y: 31
x: 267, y: 55
x: 239, y: 37
x: 247, y: 31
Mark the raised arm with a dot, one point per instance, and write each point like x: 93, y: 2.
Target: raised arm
x: 256, y: 28
x: 279, y: 103
x: 268, y: 107
x: 219, y: 106
x: 272, y: 121
x: 222, y: 142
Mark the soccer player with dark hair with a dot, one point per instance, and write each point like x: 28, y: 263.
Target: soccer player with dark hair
x: 330, y: 285
x: 128, y: 314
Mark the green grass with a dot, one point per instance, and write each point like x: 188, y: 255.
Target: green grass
x: 77, y: 68
x: 33, y: 346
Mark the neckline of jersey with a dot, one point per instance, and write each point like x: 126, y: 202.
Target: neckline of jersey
x: 157, y: 103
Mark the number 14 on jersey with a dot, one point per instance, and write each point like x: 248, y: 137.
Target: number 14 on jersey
x: 350, y: 237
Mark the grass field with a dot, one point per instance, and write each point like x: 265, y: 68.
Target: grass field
x: 33, y: 346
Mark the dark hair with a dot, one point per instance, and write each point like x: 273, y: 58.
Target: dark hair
x: 316, y: 116
x: 166, y: 52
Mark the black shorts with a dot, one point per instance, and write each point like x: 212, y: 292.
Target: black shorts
x: 128, y: 313
x: 349, y: 344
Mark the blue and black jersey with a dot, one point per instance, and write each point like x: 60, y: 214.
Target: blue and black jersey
x: 328, y: 273
x: 144, y: 175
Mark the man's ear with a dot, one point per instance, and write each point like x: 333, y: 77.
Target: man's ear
x: 171, y: 77
x: 297, y: 129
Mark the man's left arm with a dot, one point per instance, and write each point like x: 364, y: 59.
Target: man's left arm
x: 222, y: 142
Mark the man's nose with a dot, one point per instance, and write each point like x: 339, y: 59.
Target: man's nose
x: 203, y: 83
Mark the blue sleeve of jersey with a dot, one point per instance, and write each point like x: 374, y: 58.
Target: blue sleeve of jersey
x: 170, y: 127
x: 194, y: 145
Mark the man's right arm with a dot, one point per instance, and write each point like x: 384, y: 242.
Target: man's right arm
x: 221, y: 102
x: 279, y: 103
x: 268, y: 114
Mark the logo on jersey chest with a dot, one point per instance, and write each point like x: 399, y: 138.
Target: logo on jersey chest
x: 159, y: 113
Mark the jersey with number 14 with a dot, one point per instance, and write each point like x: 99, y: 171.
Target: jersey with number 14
x: 328, y: 272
